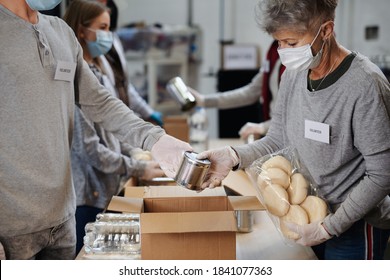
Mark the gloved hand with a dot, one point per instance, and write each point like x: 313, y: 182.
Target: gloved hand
x: 198, y: 97
x: 252, y: 128
x: 152, y: 170
x: 168, y: 152
x: 222, y: 161
x: 157, y: 118
x: 310, y: 234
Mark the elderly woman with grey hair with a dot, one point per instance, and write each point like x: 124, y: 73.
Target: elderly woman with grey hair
x: 333, y: 108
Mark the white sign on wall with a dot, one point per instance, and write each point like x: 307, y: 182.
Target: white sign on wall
x: 240, y: 57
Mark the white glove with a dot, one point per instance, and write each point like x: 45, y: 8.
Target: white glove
x: 168, y: 152
x: 222, y: 161
x: 198, y: 97
x: 152, y: 170
x: 252, y: 128
x: 310, y: 234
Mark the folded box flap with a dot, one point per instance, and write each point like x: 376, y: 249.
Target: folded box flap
x: 245, y: 203
x: 126, y: 204
x: 211, y: 221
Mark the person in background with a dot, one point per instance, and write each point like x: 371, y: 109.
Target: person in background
x: 119, y: 75
x: 42, y: 70
x: 99, y: 160
x: 264, y: 86
x: 343, y: 96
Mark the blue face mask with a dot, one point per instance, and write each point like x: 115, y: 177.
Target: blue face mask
x: 42, y: 5
x: 102, y: 44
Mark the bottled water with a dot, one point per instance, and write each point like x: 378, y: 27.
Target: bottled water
x: 113, y: 234
x: 199, y: 135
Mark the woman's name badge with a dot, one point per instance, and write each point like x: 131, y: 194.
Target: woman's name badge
x: 317, y: 131
x: 65, y: 71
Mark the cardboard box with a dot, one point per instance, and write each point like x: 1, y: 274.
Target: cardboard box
x: 177, y: 126
x: 177, y: 223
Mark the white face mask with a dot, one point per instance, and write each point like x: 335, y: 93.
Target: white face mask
x: 301, y: 58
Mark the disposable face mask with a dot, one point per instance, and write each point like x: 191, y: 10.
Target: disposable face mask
x: 102, y: 44
x: 301, y: 58
x: 42, y: 5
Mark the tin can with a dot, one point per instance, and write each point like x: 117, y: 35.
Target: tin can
x: 244, y: 220
x: 179, y: 91
x: 192, y: 171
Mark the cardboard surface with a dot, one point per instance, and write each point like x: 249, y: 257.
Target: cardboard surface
x: 177, y: 223
x: 240, y: 182
x: 177, y: 126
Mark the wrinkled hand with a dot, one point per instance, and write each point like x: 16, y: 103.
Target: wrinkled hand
x: 168, y: 152
x: 252, y: 128
x: 222, y: 161
x: 151, y: 171
x: 198, y: 97
x: 310, y: 234
x: 157, y: 117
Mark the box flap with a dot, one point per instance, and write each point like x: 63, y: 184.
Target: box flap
x: 218, y: 221
x: 186, y: 204
x: 245, y: 203
x: 136, y: 192
x: 172, y: 191
x: 125, y: 204
x: 240, y: 182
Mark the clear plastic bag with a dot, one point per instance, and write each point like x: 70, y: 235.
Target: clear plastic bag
x: 287, y: 191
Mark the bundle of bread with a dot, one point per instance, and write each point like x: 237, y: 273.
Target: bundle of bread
x: 285, y: 194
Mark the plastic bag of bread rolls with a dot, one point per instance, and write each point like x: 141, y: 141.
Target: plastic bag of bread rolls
x: 287, y: 191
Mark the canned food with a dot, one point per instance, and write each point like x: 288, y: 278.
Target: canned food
x: 192, y: 171
x: 179, y: 91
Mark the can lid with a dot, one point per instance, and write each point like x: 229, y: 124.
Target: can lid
x: 191, y: 156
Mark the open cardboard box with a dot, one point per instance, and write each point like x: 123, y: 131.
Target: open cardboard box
x: 177, y: 223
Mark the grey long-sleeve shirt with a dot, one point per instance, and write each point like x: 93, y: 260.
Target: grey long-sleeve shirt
x: 36, y: 121
x: 353, y: 170
x: 98, y: 163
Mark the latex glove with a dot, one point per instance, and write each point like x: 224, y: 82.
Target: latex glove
x: 157, y: 118
x: 198, y: 97
x: 222, y: 161
x: 168, y: 152
x: 152, y: 170
x: 252, y: 128
x: 310, y: 234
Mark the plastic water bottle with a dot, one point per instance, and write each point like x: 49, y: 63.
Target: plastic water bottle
x: 199, y: 135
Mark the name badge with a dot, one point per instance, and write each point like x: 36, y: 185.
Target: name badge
x: 317, y: 131
x: 65, y: 71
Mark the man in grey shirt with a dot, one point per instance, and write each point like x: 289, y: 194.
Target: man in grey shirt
x: 42, y: 70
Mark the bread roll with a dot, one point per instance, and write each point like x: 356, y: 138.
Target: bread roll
x: 297, y: 191
x: 276, y: 176
x: 315, y: 208
x: 262, y: 182
x: 142, y: 155
x: 275, y: 199
x: 278, y: 162
x: 297, y: 215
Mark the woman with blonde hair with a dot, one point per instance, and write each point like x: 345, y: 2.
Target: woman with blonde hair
x: 99, y: 160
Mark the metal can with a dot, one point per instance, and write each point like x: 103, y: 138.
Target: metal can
x: 192, y: 171
x: 179, y: 91
x: 244, y: 220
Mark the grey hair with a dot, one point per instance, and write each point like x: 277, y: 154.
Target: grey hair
x: 301, y: 15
